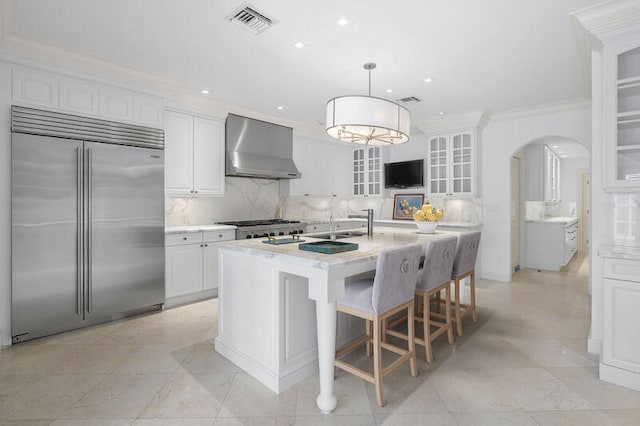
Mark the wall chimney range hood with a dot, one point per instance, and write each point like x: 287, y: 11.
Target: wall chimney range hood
x: 258, y: 149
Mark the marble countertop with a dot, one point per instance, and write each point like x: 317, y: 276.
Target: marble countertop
x: 368, y: 247
x: 619, y: 252
x: 407, y: 223
x: 175, y: 229
x: 556, y: 219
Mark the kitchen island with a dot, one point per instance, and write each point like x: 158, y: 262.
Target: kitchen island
x: 277, y: 306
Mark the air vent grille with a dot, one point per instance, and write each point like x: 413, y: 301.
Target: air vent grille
x: 409, y: 99
x: 249, y: 18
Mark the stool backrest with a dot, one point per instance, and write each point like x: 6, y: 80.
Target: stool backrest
x: 438, y: 263
x: 466, y: 253
x: 396, y: 274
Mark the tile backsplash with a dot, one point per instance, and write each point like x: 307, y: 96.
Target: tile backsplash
x: 247, y: 199
x: 244, y: 199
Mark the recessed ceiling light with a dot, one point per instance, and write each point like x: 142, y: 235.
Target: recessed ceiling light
x: 555, y: 146
x: 204, y: 91
x: 343, y: 21
x: 298, y: 44
x: 389, y: 90
x: 559, y: 152
x: 428, y: 80
x: 441, y: 113
x: 564, y: 156
x: 279, y: 107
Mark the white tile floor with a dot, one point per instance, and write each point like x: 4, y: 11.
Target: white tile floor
x: 524, y: 363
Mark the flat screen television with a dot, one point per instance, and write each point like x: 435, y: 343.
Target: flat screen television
x: 404, y: 174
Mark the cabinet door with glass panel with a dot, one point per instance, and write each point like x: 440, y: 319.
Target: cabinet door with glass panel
x: 451, y: 167
x: 367, y: 171
x: 622, y: 83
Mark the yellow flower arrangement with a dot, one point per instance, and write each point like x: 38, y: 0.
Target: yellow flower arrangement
x: 427, y: 213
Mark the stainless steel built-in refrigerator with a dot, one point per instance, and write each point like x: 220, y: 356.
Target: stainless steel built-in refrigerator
x: 87, y: 205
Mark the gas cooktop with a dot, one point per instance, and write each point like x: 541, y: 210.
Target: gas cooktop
x: 259, y: 222
x: 266, y: 228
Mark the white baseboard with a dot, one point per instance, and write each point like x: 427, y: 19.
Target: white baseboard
x: 594, y: 346
x: 495, y: 277
x: 170, y: 302
x: 619, y: 376
x: 264, y: 375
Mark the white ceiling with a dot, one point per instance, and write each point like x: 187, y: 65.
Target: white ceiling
x: 499, y: 55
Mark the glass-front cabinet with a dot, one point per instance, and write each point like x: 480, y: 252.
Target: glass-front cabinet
x: 623, y: 111
x: 451, y: 163
x: 367, y: 171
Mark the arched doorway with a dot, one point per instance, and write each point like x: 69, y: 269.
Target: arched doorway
x: 548, y: 178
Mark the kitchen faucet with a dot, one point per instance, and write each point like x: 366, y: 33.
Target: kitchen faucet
x: 368, y: 216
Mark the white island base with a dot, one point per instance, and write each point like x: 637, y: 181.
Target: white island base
x: 277, y: 307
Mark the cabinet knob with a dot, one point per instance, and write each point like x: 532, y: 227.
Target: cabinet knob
x: 219, y: 235
x: 195, y: 192
x: 206, y: 245
x: 184, y: 238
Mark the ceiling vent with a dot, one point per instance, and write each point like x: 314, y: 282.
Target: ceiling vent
x: 409, y: 99
x: 249, y: 18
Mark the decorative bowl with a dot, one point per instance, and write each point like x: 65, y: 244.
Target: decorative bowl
x: 425, y: 227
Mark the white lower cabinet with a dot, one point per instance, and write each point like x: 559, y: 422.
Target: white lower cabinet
x: 620, y: 361
x: 550, y: 245
x: 191, y: 266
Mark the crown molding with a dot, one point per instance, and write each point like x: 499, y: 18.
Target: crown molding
x: 542, y: 109
x: 448, y: 122
x: 610, y: 19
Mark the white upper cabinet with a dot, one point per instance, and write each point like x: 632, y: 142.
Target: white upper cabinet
x: 324, y: 167
x: 79, y: 96
x: 452, y: 167
x: 194, y: 154
x: 367, y: 171
x: 542, y: 173
x: 116, y: 104
x: 208, y: 156
x: 37, y: 88
x: 622, y: 122
x: 147, y: 110
x: 178, y: 152
x: 34, y: 87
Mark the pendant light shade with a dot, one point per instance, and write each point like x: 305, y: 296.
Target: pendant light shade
x: 367, y: 120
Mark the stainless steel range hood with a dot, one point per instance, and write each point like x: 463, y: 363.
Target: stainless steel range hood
x: 259, y: 149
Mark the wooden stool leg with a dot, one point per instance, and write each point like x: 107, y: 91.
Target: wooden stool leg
x: 368, y: 331
x: 457, y: 306
x: 474, y: 314
x: 411, y: 322
x: 426, y: 323
x: 438, y: 301
x: 377, y: 361
x: 447, y: 294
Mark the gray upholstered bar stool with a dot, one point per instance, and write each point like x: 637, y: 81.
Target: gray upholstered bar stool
x: 433, y: 277
x: 374, y: 300
x: 464, y: 266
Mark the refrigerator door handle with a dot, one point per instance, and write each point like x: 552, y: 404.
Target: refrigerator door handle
x: 79, y: 226
x: 89, y: 226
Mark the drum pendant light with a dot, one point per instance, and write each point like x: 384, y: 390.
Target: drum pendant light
x: 367, y: 120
